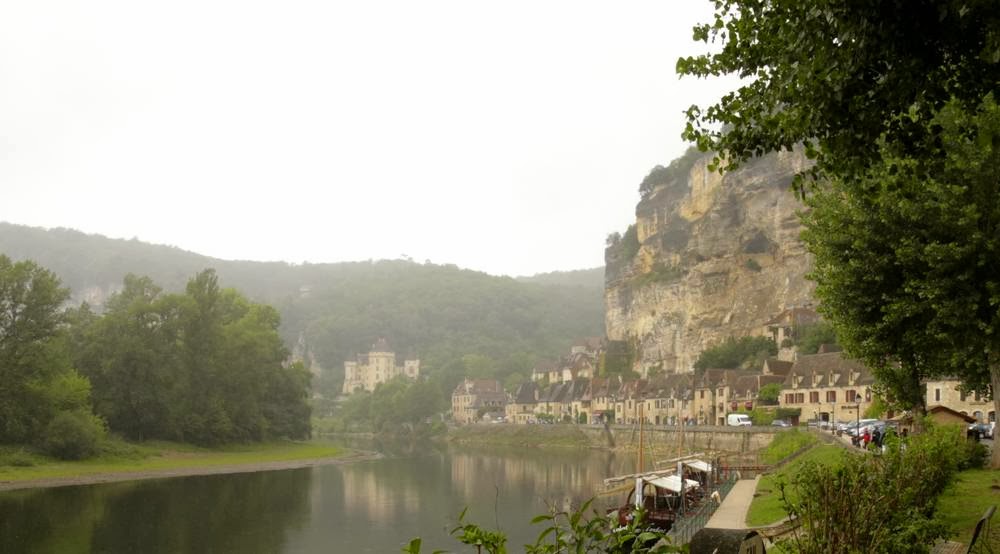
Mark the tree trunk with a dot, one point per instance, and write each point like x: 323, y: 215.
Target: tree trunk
x: 995, y: 392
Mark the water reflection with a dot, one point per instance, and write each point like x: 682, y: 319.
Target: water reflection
x: 417, y: 490
x: 249, y: 512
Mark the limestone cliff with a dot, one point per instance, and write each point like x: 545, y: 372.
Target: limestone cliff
x: 709, y: 257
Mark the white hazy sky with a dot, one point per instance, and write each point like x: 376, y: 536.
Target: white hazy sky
x: 504, y: 136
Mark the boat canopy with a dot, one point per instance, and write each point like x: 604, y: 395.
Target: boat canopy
x: 699, y: 465
x: 673, y: 483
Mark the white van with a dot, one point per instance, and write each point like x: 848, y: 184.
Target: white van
x: 738, y: 420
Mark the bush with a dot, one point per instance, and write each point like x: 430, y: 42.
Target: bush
x: 974, y: 455
x: 875, y: 503
x: 73, y: 435
x: 18, y: 458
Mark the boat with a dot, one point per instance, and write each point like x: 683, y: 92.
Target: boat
x: 664, y: 495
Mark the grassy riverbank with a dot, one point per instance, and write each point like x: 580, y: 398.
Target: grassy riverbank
x: 123, y: 459
x: 766, y: 506
x: 520, y: 435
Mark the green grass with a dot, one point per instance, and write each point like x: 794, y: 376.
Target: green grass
x: 785, y: 444
x: 561, y: 435
x: 766, y: 506
x: 158, y: 456
x: 964, y: 501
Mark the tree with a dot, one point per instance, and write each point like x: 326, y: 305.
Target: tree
x: 908, y: 262
x: 206, y: 366
x: 30, y: 318
x: 768, y: 394
x: 894, y: 100
x: 809, y: 338
x: 837, y: 75
x: 733, y: 353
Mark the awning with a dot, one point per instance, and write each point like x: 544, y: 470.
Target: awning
x: 673, y: 483
x: 699, y: 465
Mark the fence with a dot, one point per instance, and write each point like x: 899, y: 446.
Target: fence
x: 691, y: 522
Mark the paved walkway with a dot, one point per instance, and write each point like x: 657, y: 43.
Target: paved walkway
x: 732, y: 514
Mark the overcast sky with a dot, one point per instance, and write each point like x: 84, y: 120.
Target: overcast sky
x: 504, y: 136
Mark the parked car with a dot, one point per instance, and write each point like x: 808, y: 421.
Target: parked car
x: 738, y: 420
x: 859, y: 427
x: 780, y: 423
x: 985, y: 430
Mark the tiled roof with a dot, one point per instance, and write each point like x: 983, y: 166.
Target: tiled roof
x: 827, y: 370
x: 525, y: 394
x: 775, y: 366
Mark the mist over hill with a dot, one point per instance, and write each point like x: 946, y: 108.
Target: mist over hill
x: 459, y: 322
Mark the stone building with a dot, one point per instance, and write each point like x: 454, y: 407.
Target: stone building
x: 378, y: 366
x: 828, y: 387
x: 473, y: 396
x: 948, y: 392
x: 521, y: 408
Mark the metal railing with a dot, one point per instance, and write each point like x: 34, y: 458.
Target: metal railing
x: 694, y: 520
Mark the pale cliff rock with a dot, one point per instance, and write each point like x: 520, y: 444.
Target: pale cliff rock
x: 714, y: 256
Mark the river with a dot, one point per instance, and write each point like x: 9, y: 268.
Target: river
x: 372, y: 506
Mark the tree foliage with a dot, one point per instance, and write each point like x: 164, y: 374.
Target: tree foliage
x: 206, y: 366
x: 733, y: 353
x: 676, y: 170
x: 836, y: 75
x: 809, y: 338
x: 908, y: 259
x: 895, y: 101
x: 768, y: 394
x: 37, y: 383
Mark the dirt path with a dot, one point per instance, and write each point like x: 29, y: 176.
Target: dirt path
x: 357, y: 456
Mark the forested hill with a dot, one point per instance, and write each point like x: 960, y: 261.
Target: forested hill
x: 458, y: 322
x: 591, y: 278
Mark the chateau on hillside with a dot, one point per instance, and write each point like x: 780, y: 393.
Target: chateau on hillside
x: 376, y: 367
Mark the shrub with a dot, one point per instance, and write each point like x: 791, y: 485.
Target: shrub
x: 18, y: 458
x: 875, y: 503
x: 73, y: 435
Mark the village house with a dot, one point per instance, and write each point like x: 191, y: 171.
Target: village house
x: 556, y: 401
x: 472, y: 397
x: 949, y: 393
x: 628, y: 400
x: 828, y: 387
x: 669, y: 400
x: 602, y: 392
x: 784, y: 328
x: 378, y: 366
x: 521, y: 409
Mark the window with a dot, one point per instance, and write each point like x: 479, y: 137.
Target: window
x: 814, y: 397
x: 852, y: 396
x: 961, y: 395
x: 831, y: 396
x: 702, y: 393
x: 937, y: 395
x: 800, y: 398
x: 789, y: 399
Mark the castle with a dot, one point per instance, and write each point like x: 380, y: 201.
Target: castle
x: 376, y: 367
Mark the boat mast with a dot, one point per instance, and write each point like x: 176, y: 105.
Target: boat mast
x: 641, y: 469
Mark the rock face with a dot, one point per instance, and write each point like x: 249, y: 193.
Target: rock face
x: 709, y: 257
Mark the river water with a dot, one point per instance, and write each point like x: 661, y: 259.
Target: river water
x: 374, y: 506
